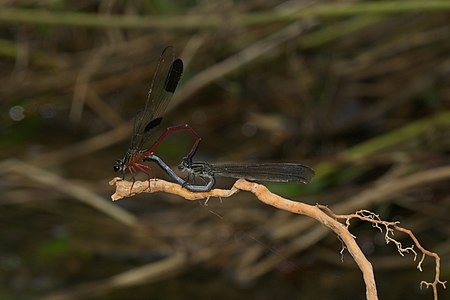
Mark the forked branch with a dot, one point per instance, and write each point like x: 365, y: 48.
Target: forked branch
x: 321, y: 213
x: 389, y: 229
x: 126, y: 189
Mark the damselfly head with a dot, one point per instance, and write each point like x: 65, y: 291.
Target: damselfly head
x: 119, y: 165
x: 185, y: 164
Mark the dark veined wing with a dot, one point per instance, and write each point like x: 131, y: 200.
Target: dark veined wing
x: 269, y: 172
x: 165, y: 80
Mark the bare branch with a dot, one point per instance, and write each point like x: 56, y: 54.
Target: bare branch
x: 127, y: 189
x: 389, y: 228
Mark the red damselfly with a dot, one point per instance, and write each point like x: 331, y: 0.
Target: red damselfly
x: 165, y: 80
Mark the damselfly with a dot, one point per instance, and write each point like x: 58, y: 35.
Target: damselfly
x: 165, y: 80
x: 266, y: 172
x: 272, y: 172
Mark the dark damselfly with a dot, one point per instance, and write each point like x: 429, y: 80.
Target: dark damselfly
x: 266, y: 172
x: 269, y: 172
x: 165, y: 80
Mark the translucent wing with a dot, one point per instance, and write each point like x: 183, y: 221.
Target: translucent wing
x: 272, y: 172
x: 165, y: 80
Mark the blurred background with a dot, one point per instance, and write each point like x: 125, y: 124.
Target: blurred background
x: 359, y: 90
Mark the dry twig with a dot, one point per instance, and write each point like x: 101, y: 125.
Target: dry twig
x: 125, y: 189
x: 319, y: 212
x: 389, y: 228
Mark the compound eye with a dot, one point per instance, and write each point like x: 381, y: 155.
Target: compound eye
x: 118, y: 165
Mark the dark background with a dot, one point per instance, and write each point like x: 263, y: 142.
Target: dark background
x: 359, y: 92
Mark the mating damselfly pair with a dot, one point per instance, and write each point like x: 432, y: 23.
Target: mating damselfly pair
x: 165, y: 81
